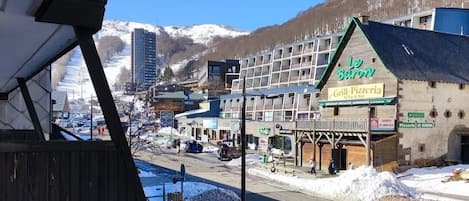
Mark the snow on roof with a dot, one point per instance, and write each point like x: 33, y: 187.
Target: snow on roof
x: 196, y: 111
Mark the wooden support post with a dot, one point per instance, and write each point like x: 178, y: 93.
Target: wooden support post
x: 31, y: 110
x: 320, y: 155
x: 296, y: 148
x: 368, y: 139
x: 301, y: 155
x: 103, y: 93
x: 314, y: 139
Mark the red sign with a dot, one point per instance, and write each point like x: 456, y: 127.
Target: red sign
x: 384, y: 124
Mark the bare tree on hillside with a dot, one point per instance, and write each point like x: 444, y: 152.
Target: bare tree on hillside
x: 109, y: 46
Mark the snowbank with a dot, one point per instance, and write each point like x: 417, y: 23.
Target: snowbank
x: 168, y: 131
x: 216, y: 194
x: 210, y: 149
x: 251, y: 159
x: 430, y: 180
x: 191, y: 189
x: 142, y: 173
x: 363, y: 183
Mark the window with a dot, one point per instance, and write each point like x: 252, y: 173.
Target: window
x: 259, y: 116
x: 303, y: 116
x: 268, y: 116
x: 461, y: 86
x: 278, y: 116
x: 433, y: 113
x: 372, y: 112
x: 432, y: 84
x: 421, y: 147
x: 336, y: 111
x: 288, y: 115
x: 461, y: 114
x: 214, y: 73
x: 425, y: 19
x: 447, y: 114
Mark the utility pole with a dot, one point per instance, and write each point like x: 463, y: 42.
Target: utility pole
x: 368, y: 138
x: 243, y: 143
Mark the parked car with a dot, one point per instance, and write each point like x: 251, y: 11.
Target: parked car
x: 224, y: 152
x: 193, y: 146
x: 227, y: 152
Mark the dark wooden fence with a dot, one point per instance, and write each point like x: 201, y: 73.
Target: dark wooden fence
x: 63, y: 171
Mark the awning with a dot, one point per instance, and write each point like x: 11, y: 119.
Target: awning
x: 375, y: 101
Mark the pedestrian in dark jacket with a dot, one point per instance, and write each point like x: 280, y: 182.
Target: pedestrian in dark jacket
x: 331, y: 167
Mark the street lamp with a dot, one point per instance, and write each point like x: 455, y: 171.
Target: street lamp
x: 243, y: 137
x: 243, y: 143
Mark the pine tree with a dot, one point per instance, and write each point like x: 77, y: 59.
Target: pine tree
x: 168, y: 74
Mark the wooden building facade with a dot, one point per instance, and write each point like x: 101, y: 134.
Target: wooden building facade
x: 390, y: 89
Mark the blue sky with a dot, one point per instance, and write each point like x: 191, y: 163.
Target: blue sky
x: 246, y: 15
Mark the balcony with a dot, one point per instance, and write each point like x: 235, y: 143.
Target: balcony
x: 259, y: 107
x: 257, y: 73
x: 278, y: 106
x: 303, y: 108
x: 294, y: 78
x: 335, y: 125
x: 284, y: 79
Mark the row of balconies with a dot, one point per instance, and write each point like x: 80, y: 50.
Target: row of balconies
x: 318, y: 45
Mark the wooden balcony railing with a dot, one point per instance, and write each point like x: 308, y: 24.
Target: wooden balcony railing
x: 64, y: 170
x: 336, y: 125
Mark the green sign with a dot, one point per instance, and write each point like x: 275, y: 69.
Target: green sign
x: 354, y: 70
x: 415, y: 125
x: 416, y: 115
x: 406, y: 125
x: 264, y: 131
x: 424, y: 125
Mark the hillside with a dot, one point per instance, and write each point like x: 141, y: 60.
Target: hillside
x: 114, y: 46
x: 328, y: 17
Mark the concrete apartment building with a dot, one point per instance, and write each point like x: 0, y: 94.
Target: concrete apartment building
x: 143, y: 59
x: 448, y: 20
x: 280, y: 87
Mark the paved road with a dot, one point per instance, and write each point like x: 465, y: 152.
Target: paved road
x: 207, y: 168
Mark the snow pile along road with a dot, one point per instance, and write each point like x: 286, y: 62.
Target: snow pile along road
x: 192, y: 191
x: 363, y: 183
x: 218, y: 194
x: 251, y: 159
x: 431, y: 179
x: 366, y: 184
x: 142, y: 173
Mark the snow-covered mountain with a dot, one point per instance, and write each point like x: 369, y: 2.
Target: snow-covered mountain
x: 203, y: 33
x: 76, y: 81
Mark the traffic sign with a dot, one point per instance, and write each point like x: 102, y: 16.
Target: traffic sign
x: 166, y: 119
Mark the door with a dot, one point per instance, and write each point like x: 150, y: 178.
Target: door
x: 465, y: 149
x: 340, y: 158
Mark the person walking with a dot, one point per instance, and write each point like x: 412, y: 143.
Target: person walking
x: 178, y: 146
x: 312, y: 163
x: 331, y: 167
x: 350, y: 166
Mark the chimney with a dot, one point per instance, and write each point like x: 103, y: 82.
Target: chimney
x: 364, y: 18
